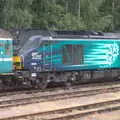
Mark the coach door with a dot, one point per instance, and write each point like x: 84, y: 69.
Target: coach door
x: 2, y: 49
x: 47, y: 56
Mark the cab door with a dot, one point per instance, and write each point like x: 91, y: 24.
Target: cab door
x: 47, y: 56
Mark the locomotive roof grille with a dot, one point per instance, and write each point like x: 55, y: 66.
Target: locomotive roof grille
x: 25, y: 34
x: 84, y: 34
x: 80, y: 32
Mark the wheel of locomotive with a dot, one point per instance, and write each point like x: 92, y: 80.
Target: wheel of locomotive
x: 68, y: 83
x: 72, y: 79
x: 85, y: 77
x: 41, y: 83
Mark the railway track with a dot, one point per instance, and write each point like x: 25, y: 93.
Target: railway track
x: 68, y: 113
x: 27, y: 93
x: 12, y: 101
x: 79, y: 111
x: 53, y: 96
x: 30, y: 90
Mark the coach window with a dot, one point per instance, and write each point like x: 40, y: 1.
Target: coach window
x: 8, y: 48
x: 2, y: 49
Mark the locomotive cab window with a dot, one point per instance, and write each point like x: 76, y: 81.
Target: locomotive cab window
x: 73, y: 54
x: 31, y: 44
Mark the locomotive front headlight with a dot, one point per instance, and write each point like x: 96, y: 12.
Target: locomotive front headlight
x: 18, y: 62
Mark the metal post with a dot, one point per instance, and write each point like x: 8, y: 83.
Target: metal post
x: 113, y: 15
x: 79, y: 8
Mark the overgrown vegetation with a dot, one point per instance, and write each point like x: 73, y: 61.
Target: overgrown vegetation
x: 100, y: 15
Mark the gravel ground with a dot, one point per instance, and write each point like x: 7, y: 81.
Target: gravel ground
x: 115, y: 115
x: 96, y: 116
x: 46, y: 106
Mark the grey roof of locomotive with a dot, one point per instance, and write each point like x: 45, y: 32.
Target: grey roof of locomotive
x: 85, y: 35
x: 24, y: 35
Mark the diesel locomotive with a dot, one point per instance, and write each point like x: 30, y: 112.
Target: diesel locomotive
x: 71, y: 57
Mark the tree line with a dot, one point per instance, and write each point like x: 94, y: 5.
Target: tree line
x: 99, y: 15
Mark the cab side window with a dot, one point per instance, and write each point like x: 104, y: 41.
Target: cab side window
x: 8, y: 47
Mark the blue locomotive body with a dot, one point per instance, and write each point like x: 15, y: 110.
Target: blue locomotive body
x: 67, y: 58
x: 71, y: 58
x: 73, y: 54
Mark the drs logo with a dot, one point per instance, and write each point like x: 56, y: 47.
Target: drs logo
x: 36, y: 56
x: 112, y: 53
